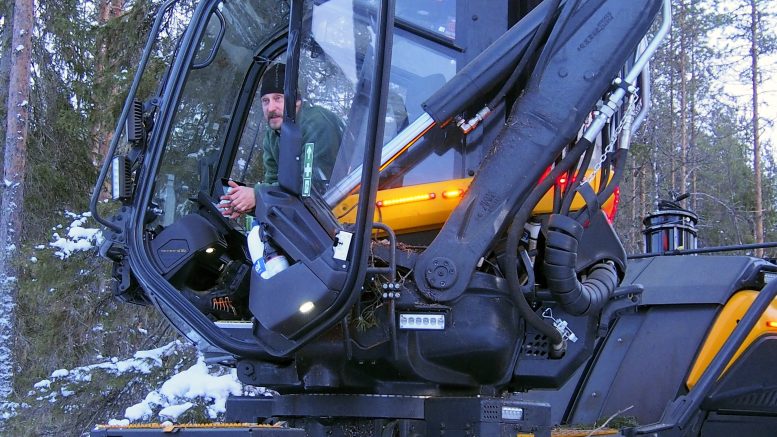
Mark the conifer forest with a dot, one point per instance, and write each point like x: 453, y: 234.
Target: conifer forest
x: 65, y: 70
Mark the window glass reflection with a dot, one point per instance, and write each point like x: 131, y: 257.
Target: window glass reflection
x: 437, y: 16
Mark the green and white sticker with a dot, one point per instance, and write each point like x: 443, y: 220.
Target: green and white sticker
x: 307, y: 169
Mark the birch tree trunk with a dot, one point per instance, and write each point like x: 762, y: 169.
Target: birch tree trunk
x: 15, y: 158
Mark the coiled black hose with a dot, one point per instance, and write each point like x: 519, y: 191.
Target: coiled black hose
x: 577, y: 298
x: 514, y: 235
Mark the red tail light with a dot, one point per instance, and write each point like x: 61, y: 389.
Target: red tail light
x: 616, y: 198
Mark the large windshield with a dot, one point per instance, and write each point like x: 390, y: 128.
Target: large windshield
x: 234, y: 33
x: 335, y: 73
x: 220, y: 128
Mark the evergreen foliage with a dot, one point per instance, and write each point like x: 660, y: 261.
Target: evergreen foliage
x: 696, y: 140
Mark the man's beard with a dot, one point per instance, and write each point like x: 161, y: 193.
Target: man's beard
x: 275, y: 118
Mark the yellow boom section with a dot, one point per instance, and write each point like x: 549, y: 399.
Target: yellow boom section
x: 424, y: 207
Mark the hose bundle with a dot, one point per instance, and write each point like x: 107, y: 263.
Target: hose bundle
x: 576, y: 297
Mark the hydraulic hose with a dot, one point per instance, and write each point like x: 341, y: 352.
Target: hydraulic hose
x: 539, y: 34
x: 621, y: 156
x: 577, y: 180
x: 576, y: 297
x: 513, y: 237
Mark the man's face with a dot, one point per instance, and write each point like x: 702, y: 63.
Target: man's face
x: 272, y: 107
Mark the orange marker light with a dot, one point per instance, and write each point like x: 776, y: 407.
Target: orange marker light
x: 402, y: 200
x: 771, y: 324
x: 451, y: 194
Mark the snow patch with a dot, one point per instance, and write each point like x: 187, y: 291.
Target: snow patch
x: 9, y: 409
x: 45, y: 383
x: 173, y: 411
x: 60, y: 373
x: 77, y: 238
x: 176, y: 394
x: 139, y: 411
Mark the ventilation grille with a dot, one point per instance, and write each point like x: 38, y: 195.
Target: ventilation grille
x: 491, y: 412
x: 135, y: 131
x: 763, y: 399
x: 536, y: 346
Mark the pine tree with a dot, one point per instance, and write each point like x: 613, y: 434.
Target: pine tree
x: 755, y: 49
x: 750, y: 39
x: 666, y: 156
x: 15, y: 157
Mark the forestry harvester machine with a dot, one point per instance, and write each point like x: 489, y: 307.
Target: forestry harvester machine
x: 457, y: 273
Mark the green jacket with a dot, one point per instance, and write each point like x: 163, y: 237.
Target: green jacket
x: 320, y: 127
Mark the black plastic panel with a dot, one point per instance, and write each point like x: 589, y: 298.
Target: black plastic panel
x: 673, y: 280
x: 720, y: 425
x: 538, y: 371
x: 485, y: 417
x: 750, y: 385
x: 314, y: 275
x: 177, y: 244
x: 644, y: 363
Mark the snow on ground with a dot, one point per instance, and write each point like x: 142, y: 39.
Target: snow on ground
x: 77, y: 237
x: 200, y: 384
x: 175, y: 396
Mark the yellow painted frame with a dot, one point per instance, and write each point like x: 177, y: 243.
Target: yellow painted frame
x: 724, y: 325
x: 429, y: 209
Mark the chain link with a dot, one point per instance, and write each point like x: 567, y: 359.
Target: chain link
x: 607, y: 150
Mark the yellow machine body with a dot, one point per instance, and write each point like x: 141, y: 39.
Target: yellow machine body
x: 724, y: 325
x: 424, y: 207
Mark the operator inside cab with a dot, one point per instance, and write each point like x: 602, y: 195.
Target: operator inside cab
x: 321, y: 129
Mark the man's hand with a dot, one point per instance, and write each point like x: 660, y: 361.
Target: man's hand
x: 238, y: 200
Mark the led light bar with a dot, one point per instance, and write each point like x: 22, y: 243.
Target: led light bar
x: 422, y: 321
x: 512, y: 413
x: 121, y: 176
x: 402, y: 200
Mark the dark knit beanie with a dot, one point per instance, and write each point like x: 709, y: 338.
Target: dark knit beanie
x: 272, y: 82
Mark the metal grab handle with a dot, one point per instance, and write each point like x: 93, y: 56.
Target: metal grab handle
x: 616, y: 97
x: 123, y: 119
x: 390, y: 151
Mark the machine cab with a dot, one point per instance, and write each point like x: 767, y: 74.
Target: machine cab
x: 378, y: 139
x: 369, y: 69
